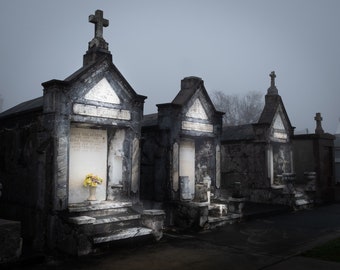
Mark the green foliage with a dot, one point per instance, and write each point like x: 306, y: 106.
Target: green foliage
x: 329, y: 251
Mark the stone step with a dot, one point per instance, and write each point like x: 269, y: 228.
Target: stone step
x: 83, y: 220
x: 99, y: 208
x: 215, y: 222
x: 122, y: 234
x: 300, y: 202
x: 108, y: 224
x: 299, y: 194
x: 303, y: 203
x: 116, y: 218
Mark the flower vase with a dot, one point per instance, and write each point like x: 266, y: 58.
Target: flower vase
x: 92, y: 192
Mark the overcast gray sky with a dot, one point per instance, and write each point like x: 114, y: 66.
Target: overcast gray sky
x: 231, y: 45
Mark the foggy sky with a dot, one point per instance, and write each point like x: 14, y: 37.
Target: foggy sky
x: 231, y: 45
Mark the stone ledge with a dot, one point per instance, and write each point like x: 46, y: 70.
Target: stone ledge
x: 217, y: 219
x: 111, y: 219
x: 153, y: 212
x: 301, y: 202
x: 123, y: 234
x: 278, y: 186
x: 85, y: 206
x: 81, y: 220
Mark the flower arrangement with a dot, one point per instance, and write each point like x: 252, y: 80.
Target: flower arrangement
x: 92, y: 180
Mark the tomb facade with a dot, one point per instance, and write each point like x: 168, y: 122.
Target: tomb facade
x: 89, y: 123
x: 180, y: 164
x: 259, y: 156
x: 315, y: 163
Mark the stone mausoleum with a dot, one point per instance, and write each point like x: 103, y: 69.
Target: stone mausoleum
x: 266, y: 163
x: 180, y: 167
x: 257, y: 158
x: 315, y: 163
x: 89, y: 123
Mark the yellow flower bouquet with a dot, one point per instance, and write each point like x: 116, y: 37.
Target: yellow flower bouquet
x: 92, y: 180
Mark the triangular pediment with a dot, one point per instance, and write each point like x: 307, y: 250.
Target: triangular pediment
x: 103, y: 92
x: 197, y: 111
x: 279, y: 132
x: 278, y: 123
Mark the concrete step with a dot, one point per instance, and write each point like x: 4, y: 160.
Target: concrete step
x: 303, y: 203
x: 83, y: 220
x: 122, y: 234
x: 116, y: 218
x: 299, y: 194
x: 98, y: 209
x: 108, y: 224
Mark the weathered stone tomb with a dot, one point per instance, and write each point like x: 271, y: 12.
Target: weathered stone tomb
x: 180, y: 167
x: 315, y: 164
x: 258, y: 157
x: 89, y: 123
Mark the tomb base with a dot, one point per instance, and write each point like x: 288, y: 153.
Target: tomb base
x: 10, y: 240
x: 236, y: 205
x: 154, y: 219
x: 89, y: 227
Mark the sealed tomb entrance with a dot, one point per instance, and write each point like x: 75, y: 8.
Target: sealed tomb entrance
x: 96, y: 151
x: 187, y: 168
x: 88, y: 154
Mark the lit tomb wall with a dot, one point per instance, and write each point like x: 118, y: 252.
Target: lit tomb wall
x: 194, y: 154
x: 280, y: 153
x: 187, y: 162
x: 115, y: 158
x: 88, y: 154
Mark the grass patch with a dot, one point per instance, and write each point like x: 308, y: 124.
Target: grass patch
x: 329, y: 251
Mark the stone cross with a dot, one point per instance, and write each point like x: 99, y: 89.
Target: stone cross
x: 272, y: 90
x: 272, y: 78
x: 318, y: 119
x: 99, y: 23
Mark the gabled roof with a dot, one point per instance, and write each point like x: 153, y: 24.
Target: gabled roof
x: 247, y: 132
x: 238, y: 133
x: 27, y: 106
x: 37, y: 103
x: 272, y: 102
x: 150, y: 120
x: 93, y: 66
x: 189, y: 86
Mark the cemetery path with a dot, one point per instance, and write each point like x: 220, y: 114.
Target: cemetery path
x: 264, y: 243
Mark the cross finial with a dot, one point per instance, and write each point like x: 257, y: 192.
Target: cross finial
x: 272, y: 78
x: 272, y: 90
x: 99, y: 23
x: 98, y: 47
x: 318, y: 119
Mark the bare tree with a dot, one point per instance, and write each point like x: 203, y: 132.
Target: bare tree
x: 239, y: 109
